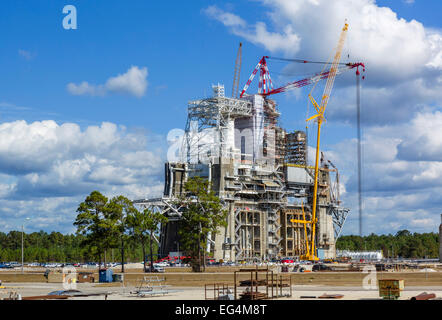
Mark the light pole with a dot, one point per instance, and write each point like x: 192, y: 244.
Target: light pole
x: 22, y: 232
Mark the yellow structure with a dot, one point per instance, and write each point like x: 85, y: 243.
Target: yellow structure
x: 319, y: 116
x: 391, y: 288
x: 308, y: 255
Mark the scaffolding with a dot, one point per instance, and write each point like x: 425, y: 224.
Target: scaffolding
x: 219, y: 291
x: 209, y: 131
x: 260, y: 173
x: 259, y: 284
x: 296, y: 148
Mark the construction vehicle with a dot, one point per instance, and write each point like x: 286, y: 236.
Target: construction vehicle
x: 265, y: 88
x: 307, y: 243
x: 311, y: 253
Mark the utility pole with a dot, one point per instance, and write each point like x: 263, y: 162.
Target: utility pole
x: 22, y: 253
x: 22, y: 258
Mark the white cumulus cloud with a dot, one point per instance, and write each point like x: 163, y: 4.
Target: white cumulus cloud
x: 403, y: 58
x: 401, y: 176
x: 286, y: 41
x: 401, y: 100
x: 133, y: 82
x: 47, y: 169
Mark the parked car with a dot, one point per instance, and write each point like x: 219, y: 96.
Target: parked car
x: 33, y: 264
x: 158, y: 269
x: 179, y: 264
x: 92, y: 265
x: 287, y: 261
x: 5, y: 266
x: 50, y: 265
x: 14, y: 264
x: 161, y: 264
x: 320, y: 267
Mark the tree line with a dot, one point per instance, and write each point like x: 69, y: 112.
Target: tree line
x: 107, y: 224
x: 114, y: 229
x: 42, y: 247
x: 403, y: 244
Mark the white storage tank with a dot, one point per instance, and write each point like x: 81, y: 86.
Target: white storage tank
x: 361, y: 255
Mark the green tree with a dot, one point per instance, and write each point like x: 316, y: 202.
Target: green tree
x: 402, y: 244
x: 203, y: 214
x: 403, y: 233
x: 93, y: 222
x: 143, y: 225
x: 120, y: 208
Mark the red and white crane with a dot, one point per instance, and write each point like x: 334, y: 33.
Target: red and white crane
x: 265, y: 86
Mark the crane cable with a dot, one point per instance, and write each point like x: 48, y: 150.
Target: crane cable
x: 313, y: 88
x: 358, y: 119
x: 303, y: 61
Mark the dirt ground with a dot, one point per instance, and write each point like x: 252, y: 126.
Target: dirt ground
x: 189, y: 279
x: 197, y: 293
x: 191, y: 286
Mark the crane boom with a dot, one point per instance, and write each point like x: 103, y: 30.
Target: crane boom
x: 265, y: 82
x: 319, y: 116
x: 237, y: 72
x: 265, y: 88
x: 312, y: 79
x: 334, y: 68
x: 264, y: 73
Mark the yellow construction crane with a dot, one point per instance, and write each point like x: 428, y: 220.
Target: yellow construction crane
x: 319, y: 117
x: 237, y: 72
x: 304, y: 222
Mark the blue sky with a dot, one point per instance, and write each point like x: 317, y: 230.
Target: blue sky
x: 177, y: 51
x: 184, y: 51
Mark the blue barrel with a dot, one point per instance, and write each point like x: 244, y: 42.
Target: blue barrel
x: 105, y: 275
x: 321, y: 254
